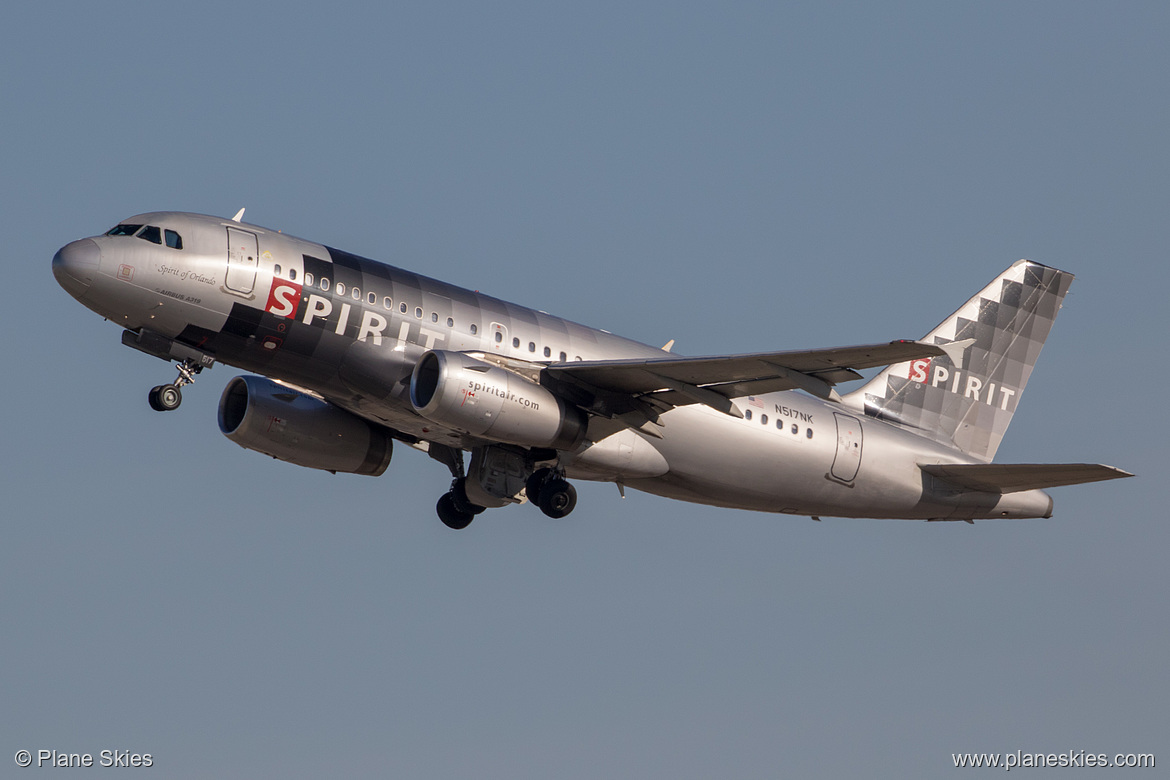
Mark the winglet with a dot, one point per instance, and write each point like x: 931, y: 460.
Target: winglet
x: 955, y: 350
x: 239, y: 215
x: 668, y: 346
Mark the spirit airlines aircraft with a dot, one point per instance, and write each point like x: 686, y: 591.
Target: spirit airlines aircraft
x: 355, y: 354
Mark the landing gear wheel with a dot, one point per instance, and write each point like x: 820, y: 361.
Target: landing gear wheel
x: 451, y: 516
x: 165, y: 398
x: 557, y: 498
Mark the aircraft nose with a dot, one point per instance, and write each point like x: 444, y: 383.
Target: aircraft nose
x: 76, y: 264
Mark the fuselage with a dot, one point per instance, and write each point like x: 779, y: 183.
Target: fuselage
x: 351, y: 330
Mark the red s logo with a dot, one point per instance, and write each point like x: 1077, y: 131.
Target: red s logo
x: 919, y: 369
x: 284, y: 298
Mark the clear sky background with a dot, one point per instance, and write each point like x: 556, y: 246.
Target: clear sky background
x: 735, y: 176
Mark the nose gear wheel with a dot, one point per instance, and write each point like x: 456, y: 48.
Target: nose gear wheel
x: 166, y: 398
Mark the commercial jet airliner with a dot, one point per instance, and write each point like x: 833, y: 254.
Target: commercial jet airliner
x: 348, y: 355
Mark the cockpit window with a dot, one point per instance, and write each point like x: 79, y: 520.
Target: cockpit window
x: 124, y: 230
x: 174, y: 240
x: 152, y: 234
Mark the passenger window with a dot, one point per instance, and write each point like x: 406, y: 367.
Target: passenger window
x: 418, y: 312
x: 499, y: 337
x: 340, y: 288
x: 763, y: 419
x: 308, y: 280
x: 124, y: 230
x: 402, y: 307
x: 356, y: 294
x: 276, y: 269
x: 474, y: 329
x: 795, y: 429
x: 292, y: 274
x: 434, y: 316
x: 450, y: 323
x: 387, y: 303
x: 372, y: 298
x: 748, y: 414
x: 151, y: 234
x: 809, y: 433
x: 532, y: 346
x: 779, y: 425
x: 547, y: 352
x: 174, y: 240
x: 325, y: 283
x: 516, y: 343
x: 564, y: 357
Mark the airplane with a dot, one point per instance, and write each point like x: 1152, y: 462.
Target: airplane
x: 349, y: 355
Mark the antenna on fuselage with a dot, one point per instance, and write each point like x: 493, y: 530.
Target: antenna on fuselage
x: 239, y: 215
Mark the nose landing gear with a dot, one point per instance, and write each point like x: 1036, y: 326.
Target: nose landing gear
x: 166, y: 398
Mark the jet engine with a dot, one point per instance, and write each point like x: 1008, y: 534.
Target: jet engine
x: 259, y: 414
x: 458, y: 391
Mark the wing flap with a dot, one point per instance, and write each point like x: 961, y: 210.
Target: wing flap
x: 1014, y: 477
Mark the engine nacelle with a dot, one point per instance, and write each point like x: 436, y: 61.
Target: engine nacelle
x: 458, y: 391
x: 258, y: 414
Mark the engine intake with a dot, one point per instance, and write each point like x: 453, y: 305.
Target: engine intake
x: 258, y: 414
x: 477, y: 398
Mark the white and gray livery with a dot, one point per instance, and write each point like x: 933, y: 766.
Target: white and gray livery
x: 348, y: 355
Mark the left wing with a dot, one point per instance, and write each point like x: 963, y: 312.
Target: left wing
x: 613, y: 388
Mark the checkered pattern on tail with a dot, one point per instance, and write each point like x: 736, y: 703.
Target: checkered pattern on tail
x: 968, y: 406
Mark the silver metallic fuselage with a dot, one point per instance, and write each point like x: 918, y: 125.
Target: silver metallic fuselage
x: 352, y: 330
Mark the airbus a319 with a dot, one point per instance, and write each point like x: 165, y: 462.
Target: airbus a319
x: 348, y: 355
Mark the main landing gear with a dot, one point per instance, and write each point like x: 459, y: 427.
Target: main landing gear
x: 498, y: 476
x: 166, y: 398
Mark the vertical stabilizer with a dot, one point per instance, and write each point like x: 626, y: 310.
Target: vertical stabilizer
x: 966, y: 399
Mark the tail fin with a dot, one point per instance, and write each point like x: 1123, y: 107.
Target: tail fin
x: 967, y: 399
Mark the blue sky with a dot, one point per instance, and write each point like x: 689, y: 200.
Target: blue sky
x: 734, y: 176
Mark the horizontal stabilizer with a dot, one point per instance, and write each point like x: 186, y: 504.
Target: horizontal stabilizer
x: 1014, y: 477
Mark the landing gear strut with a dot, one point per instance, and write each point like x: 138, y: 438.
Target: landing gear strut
x: 454, y: 508
x: 166, y: 398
